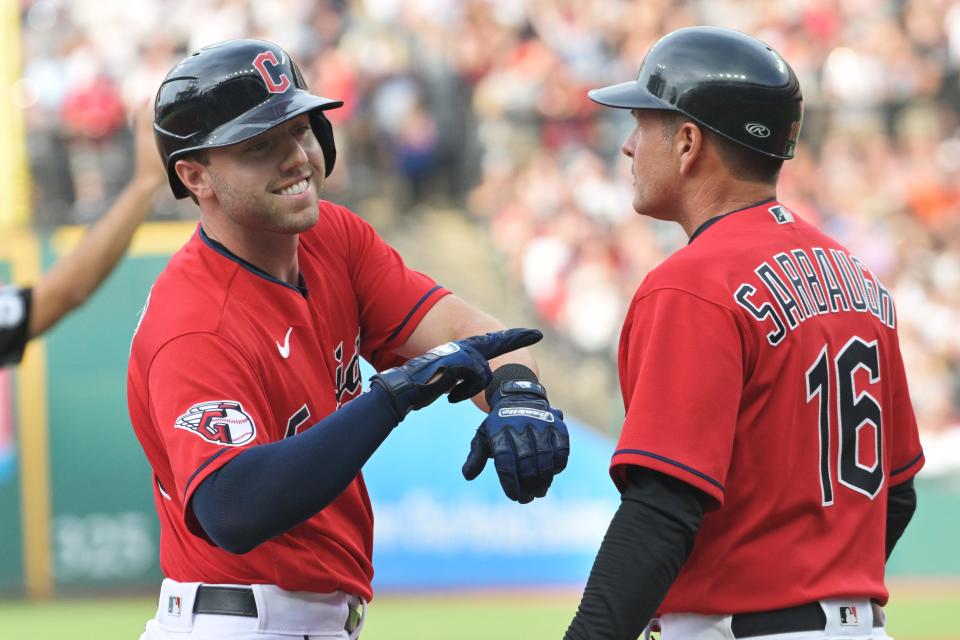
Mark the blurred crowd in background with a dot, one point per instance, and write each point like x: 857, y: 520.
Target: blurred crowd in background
x: 479, y: 106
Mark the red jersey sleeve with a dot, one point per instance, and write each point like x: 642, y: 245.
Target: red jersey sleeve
x: 682, y: 387
x: 392, y: 297
x: 907, y: 452
x: 207, y: 407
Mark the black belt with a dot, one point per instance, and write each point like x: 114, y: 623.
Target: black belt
x: 239, y: 601
x: 806, y: 617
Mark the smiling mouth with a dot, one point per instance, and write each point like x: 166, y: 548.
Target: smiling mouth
x: 295, y: 189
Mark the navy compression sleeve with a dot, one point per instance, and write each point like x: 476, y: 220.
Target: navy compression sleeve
x: 270, y: 488
x: 647, y: 542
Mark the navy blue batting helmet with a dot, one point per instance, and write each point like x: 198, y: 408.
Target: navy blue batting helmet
x: 229, y: 92
x: 727, y: 81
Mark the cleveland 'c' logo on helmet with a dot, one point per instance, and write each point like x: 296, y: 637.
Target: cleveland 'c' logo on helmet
x: 222, y: 422
x: 276, y: 80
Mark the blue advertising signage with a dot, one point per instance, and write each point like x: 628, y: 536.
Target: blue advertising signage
x: 433, y: 529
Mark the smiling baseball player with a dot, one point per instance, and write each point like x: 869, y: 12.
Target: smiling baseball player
x: 244, y: 382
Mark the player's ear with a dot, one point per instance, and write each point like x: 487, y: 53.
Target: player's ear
x: 194, y: 176
x: 688, y: 144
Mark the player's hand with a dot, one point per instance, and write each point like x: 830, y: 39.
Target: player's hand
x: 526, y: 438
x: 148, y: 168
x: 459, y: 368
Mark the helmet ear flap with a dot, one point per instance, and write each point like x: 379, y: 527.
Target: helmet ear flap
x: 323, y: 129
x: 178, y: 188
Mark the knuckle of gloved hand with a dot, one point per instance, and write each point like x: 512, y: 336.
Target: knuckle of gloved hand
x: 531, y: 437
x: 545, y: 459
x: 497, y: 429
x: 505, y: 438
x: 545, y: 443
x: 527, y: 467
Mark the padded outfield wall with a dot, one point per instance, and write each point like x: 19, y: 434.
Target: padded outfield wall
x: 77, y: 512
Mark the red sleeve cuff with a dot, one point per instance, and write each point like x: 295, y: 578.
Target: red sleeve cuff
x: 624, y: 458
x: 907, y: 471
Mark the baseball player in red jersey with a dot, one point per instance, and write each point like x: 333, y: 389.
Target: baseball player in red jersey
x: 769, y: 444
x: 244, y: 382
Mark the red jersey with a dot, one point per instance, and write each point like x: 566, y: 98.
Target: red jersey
x: 761, y: 365
x: 227, y: 357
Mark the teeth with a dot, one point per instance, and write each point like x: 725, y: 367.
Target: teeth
x: 295, y: 189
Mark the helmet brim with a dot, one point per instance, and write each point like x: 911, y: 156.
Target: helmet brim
x: 627, y: 95
x: 267, y: 116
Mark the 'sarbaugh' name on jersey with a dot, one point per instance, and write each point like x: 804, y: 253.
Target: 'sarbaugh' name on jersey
x: 804, y: 286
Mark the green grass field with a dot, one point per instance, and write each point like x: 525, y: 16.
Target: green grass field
x: 916, y: 612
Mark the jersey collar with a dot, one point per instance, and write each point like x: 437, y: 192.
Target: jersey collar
x: 301, y: 287
x: 709, y: 223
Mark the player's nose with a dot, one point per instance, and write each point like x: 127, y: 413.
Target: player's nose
x: 296, y: 154
x: 628, y: 145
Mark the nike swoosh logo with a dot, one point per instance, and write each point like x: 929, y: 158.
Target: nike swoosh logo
x: 284, y: 348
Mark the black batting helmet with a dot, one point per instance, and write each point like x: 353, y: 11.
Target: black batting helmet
x: 228, y: 92
x: 725, y: 80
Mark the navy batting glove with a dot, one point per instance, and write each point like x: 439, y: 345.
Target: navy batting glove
x: 459, y: 368
x: 526, y: 438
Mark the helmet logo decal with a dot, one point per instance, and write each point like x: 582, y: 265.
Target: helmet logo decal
x: 276, y: 81
x: 756, y: 129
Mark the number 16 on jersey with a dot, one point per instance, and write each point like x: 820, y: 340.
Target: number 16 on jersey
x: 858, y: 415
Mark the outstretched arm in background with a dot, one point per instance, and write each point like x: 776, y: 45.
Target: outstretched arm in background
x: 75, y: 277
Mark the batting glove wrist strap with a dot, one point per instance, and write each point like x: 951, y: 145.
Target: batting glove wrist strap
x: 507, y: 373
x: 399, y: 389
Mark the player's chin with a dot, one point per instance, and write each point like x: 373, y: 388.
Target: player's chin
x: 303, y: 219
x: 286, y: 219
x: 645, y: 205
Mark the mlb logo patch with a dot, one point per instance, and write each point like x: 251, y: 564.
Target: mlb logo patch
x: 173, y: 606
x: 848, y: 616
x: 781, y: 214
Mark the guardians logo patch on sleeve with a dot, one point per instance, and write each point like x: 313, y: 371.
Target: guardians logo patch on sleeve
x: 222, y: 422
